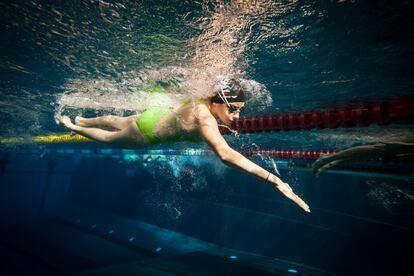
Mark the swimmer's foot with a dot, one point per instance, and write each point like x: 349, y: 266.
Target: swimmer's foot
x: 65, y: 120
x: 80, y: 121
x: 58, y: 118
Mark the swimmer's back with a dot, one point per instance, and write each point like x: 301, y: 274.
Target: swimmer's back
x: 181, y: 123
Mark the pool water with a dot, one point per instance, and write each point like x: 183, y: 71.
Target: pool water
x: 92, y: 209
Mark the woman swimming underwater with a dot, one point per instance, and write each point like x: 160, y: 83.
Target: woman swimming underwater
x: 190, y: 122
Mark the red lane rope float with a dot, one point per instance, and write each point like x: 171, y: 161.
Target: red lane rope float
x: 398, y: 110
x: 315, y: 154
x: 402, y: 165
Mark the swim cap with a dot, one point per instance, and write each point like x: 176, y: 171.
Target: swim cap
x: 230, y: 89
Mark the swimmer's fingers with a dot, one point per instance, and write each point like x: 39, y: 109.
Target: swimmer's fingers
x: 285, y: 189
x: 317, y: 170
x: 318, y: 165
x: 302, y: 204
x: 323, y: 158
x: 321, y: 162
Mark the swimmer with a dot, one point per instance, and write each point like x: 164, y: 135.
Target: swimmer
x: 190, y: 122
x: 364, y: 152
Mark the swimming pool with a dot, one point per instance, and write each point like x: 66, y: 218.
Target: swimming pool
x: 91, y: 209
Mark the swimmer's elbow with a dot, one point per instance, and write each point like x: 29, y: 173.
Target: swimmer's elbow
x: 227, y: 156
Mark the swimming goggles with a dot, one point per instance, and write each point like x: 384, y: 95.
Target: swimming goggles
x: 234, y: 109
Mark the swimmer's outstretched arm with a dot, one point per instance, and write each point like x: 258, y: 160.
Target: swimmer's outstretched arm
x: 211, y: 134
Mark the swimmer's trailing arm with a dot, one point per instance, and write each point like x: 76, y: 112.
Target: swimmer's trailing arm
x: 360, y: 153
x: 211, y: 134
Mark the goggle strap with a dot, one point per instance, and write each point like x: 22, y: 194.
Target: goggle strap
x: 223, y: 97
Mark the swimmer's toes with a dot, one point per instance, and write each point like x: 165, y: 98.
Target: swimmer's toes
x: 65, y: 120
x: 58, y: 118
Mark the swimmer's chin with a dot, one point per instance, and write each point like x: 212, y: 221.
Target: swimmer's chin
x: 228, y: 123
x: 231, y: 120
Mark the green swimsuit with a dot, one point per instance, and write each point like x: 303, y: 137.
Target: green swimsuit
x: 149, y: 119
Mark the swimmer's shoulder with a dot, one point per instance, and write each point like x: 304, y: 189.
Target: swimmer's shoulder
x: 202, y: 112
x: 197, y: 108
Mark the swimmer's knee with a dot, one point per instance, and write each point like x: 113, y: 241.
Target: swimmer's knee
x: 132, y: 119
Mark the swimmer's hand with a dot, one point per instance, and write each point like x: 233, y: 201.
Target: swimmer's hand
x: 325, y: 162
x: 286, y: 190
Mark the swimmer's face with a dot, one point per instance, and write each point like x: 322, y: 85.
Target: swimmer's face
x: 228, y: 114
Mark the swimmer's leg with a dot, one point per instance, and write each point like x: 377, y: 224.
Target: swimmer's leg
x: 129, y: 136
x: 110, y: 120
